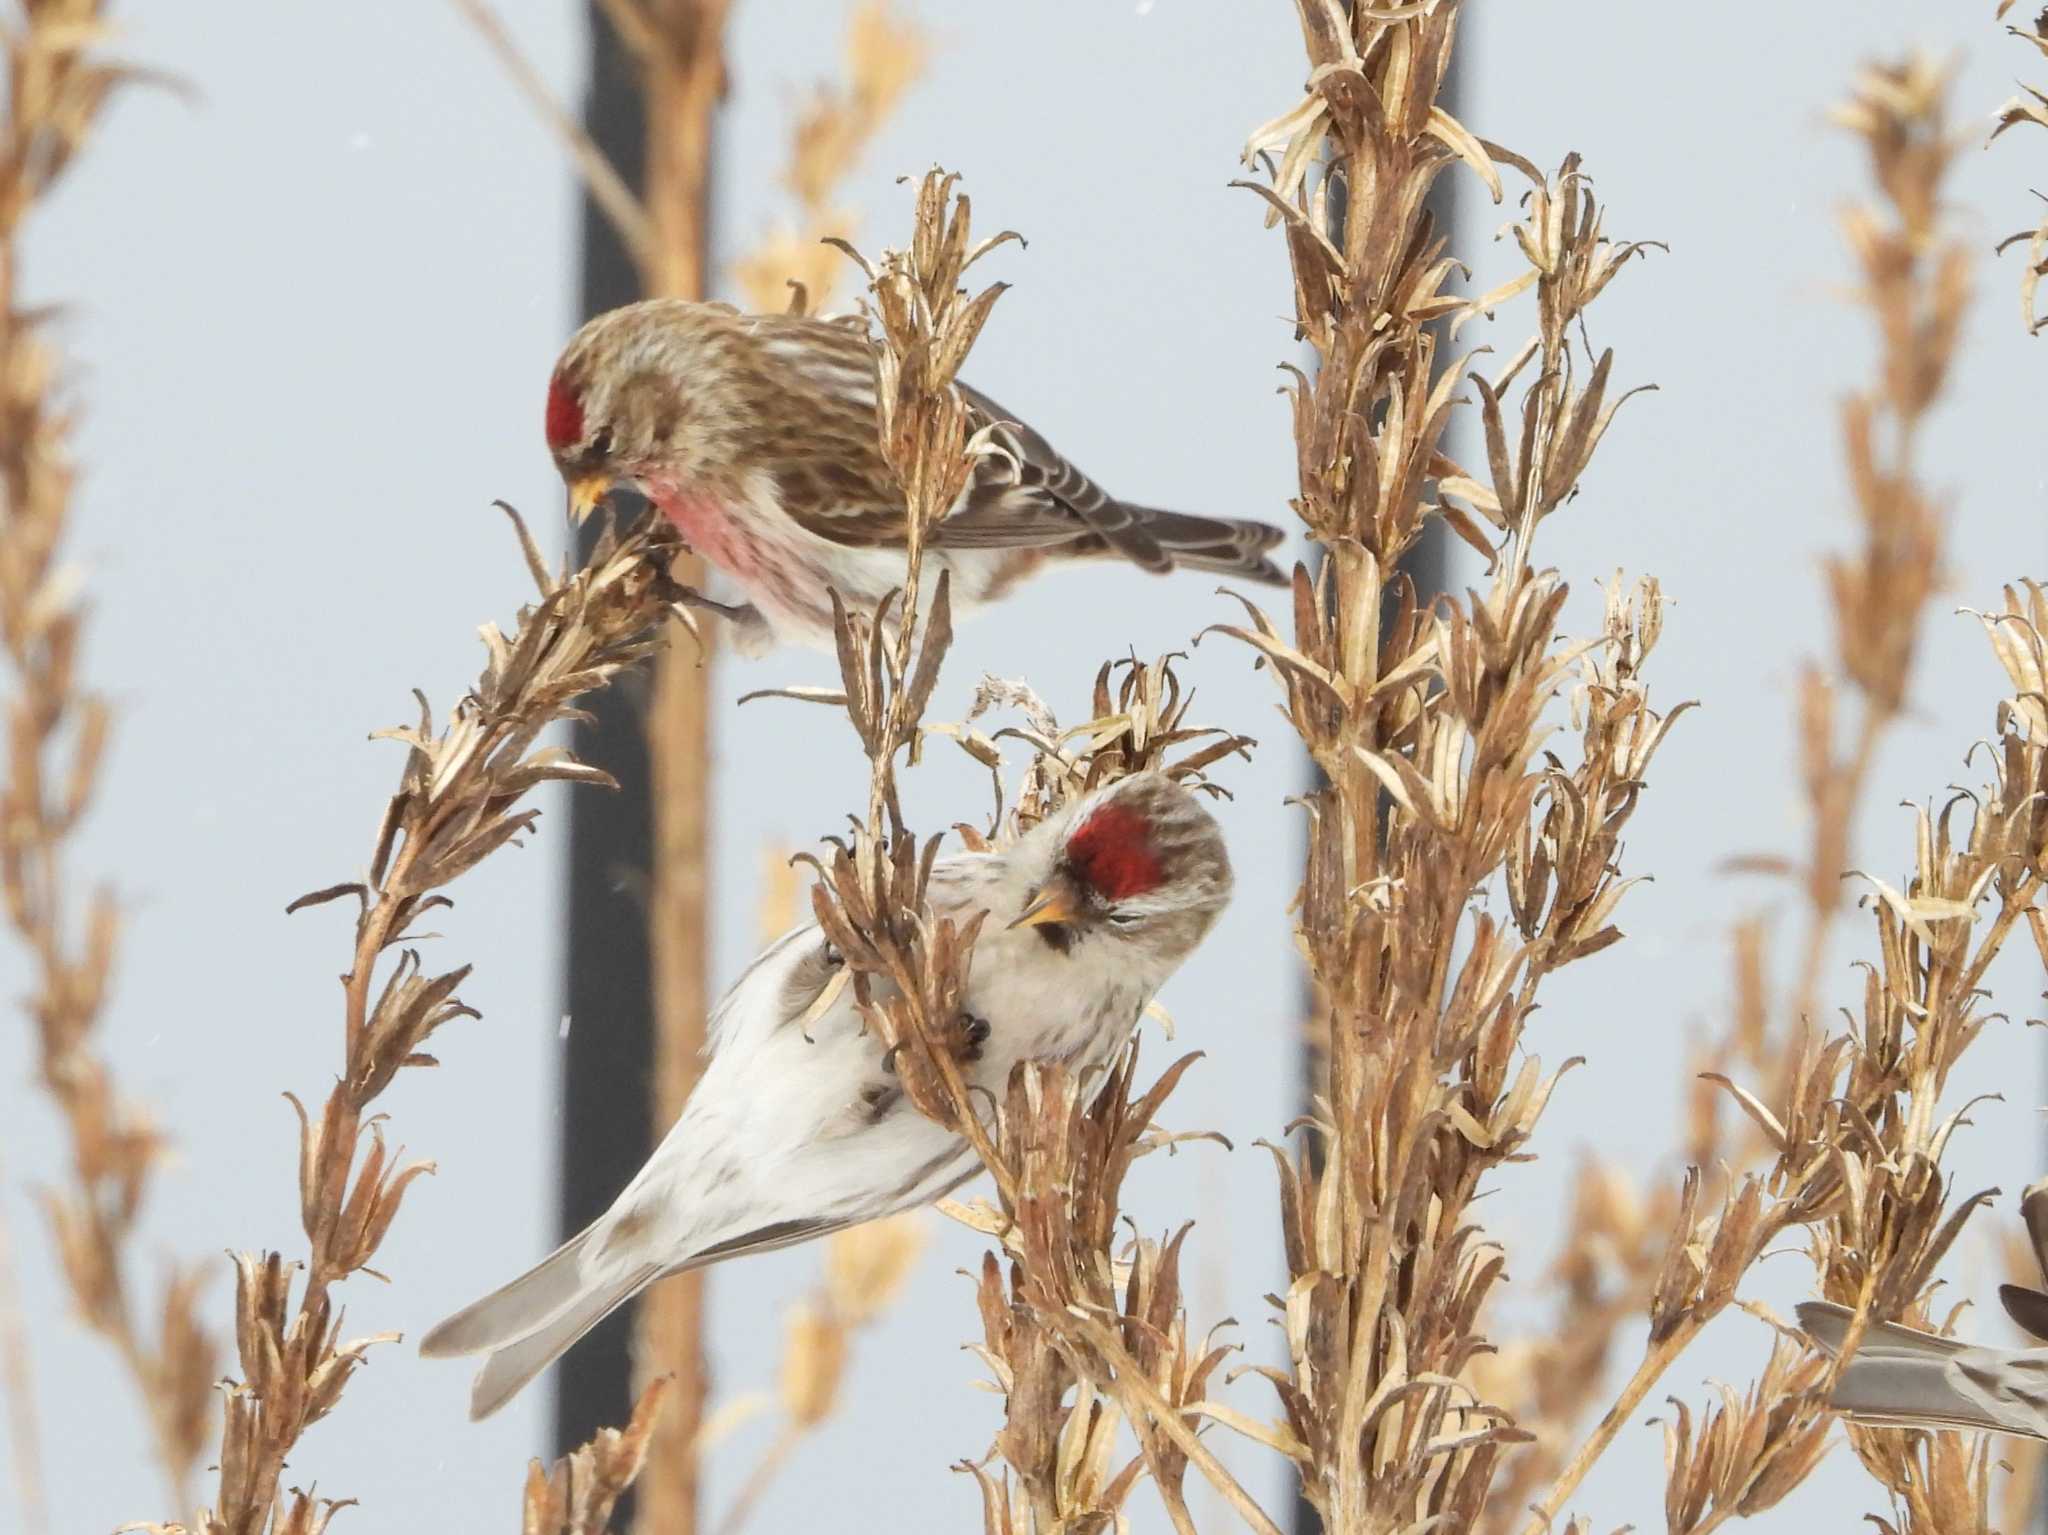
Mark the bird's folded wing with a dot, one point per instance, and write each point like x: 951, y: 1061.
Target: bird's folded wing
x: 780, y: 987
x: 1029, y: 494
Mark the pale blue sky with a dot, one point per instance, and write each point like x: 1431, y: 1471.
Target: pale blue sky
x: 313, y: 316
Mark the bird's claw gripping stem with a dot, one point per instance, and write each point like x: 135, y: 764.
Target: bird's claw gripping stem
x: 731, y: 612
x: 975, y: 1031
x: 974, y: 1034
x: 751, y: 633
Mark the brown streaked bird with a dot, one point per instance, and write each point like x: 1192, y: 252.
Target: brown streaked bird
x: 799, y: 1125
x: 756, y: 436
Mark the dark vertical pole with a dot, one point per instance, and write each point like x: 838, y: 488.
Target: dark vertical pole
x: 606, y: 1125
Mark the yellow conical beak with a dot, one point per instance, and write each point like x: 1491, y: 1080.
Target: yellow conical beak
x: 1054, y: 904
x: 587, y: 494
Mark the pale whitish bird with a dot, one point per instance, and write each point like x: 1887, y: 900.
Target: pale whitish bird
x: 1901, y: 1377
x: 798, y: 1127
x: 756, y: 436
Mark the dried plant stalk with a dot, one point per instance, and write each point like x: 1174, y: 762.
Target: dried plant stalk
x: 1615, y: 1246
x: 1914, y: 279
x: 576, y: 1495
x: 798, y: 267
x: 607, y: 188
x: 1388, y: 1274
x: 682, y: 61
x: 1853, y: 1122
x: 792, y: 265
x: 1916, y: 285
x: 1893, y: 1219
x: 2031, y: 106
x: 678, y: 46
x: 459, y: 800
x: 1071, y: 1314
x: 1855, y: 1133
x: 1916, y: 288
x: 865, y: 1268
x: 1552, y: 1378
x: 57, y: 732
x: 17, y: 1383
x: 1426, y: 727
x: 1073, y: 1360
x: 872, y: 903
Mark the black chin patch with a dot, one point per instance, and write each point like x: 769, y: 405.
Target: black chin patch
x: 1058, y: 936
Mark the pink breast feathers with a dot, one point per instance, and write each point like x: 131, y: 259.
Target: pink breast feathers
x: 713, y: 532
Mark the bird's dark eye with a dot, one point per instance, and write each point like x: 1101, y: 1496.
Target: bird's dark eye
x: 601, y: 444
x: 1122, y: 918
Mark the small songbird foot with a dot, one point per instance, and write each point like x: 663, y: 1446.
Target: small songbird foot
x: 732, y: 612
x: 975, y: 1031
x: 750, y: 631
x: 973, y: 1035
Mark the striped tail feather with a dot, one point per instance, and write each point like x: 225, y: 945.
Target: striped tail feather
x: 1227, y: 545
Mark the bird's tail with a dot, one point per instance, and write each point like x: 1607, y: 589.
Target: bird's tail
x: 1903, y: 1377
x: 1221, y: 544
x: 528, y: 1324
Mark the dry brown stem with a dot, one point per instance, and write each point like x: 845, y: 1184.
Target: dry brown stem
x: 1426, y: 725
x: 1614, y: 1249
x: 607, y: 187
x: 2031, y: 106
x: 57, y: 732
x: 1853, y: 1121
x: 792, y: 265
x: 1913, y: 279
x: 1748, y: 1451
x: 679, y: 45
x: 871, y: 902
x: 678, y: 48
x: 797, y: 267
x: 17, y: 1379
x: 1552, y: 1379
x: 1889, y: 1219
x: 459, y: 800
x: 865, y: 1268
x: 1072, y: 1358
x: 575, y: 1495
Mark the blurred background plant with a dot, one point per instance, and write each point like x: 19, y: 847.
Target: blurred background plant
x: 2030, y: 106
x: 59, y: 77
